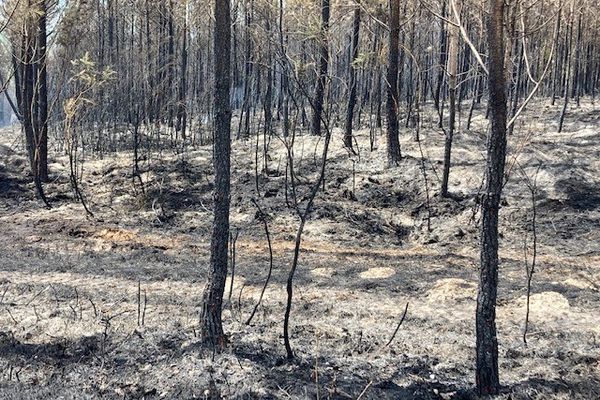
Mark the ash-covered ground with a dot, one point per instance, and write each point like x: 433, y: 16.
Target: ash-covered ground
x: 107, y: 307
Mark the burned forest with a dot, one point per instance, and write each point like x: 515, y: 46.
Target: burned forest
x: 300, y: 199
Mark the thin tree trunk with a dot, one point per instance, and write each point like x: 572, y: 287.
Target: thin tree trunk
x: 567, y: 70
x: 212, y: 328
x: 393, y: 146
x: 576, y: 71
x: 442, y: 61
x: 452, y: 86
x: 518, y: 70
x: 170, y: 65
x: 25, y: 63
x: 352, y: 82
x: 323, y: 68
x: 487, y: 376
x: 556, y: 57
x: 41, y: 163
x: 181, y: 104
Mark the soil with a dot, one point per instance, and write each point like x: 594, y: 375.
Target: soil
x: 107, y: 307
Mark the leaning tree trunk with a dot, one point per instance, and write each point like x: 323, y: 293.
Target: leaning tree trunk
x: 212, y: 328
x: 393, y: 146
x: 488, y: 382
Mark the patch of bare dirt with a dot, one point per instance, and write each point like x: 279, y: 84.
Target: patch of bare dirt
x: 452, y: 290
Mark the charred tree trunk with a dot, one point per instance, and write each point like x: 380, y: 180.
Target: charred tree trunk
x: 352, y: 80
x: 268, y: 100
x: 26, y: 66
x: 170, y: 64
x: 41, y: 159
x: 212, y: 328
x: 519, y: 53
x: 32, y: 91
x: 323, y: 68
x: 181, y: 104
x: 567, y: 70
x: 556, y: 78
x: 393, y: 146
x: 452, y: 86
x: 442, y: 61
x: 487, y: 377
x: 576, y: 69
x: 244, y: 122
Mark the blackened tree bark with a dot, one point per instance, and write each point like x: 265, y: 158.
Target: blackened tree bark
x: 567, y: 67
x: 170, y: 62
x: 519, y: 53
x: 268, y: 101
x: 323, y: 68
x: 41, y: 156
x: 244, y: 121
x: 181, y: 104
x: 452, y: 86
x: 442, y: 60
x: 27, y: 95
x: 352, y: 80
x: 556, y: 78
x: 577, y: 66
x: 487, y: 378
x: 212, y: 328
x: 393, y: 145
x: 29, y: 61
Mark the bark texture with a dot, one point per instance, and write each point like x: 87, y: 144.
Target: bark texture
x: 352, y: 80
x: 323, y: 68
x: 487, y: 377
x: 212, y: 328
x: 393, y: 146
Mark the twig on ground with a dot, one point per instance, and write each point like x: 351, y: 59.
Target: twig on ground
x: 32, y: 299
x: 364, y: 390
x: 144, y: 309
x: 398, y: 327
x: 3, y: 294
x: 139, y: 302
x: 11, y: 316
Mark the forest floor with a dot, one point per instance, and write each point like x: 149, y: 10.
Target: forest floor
x: 74, y: 290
